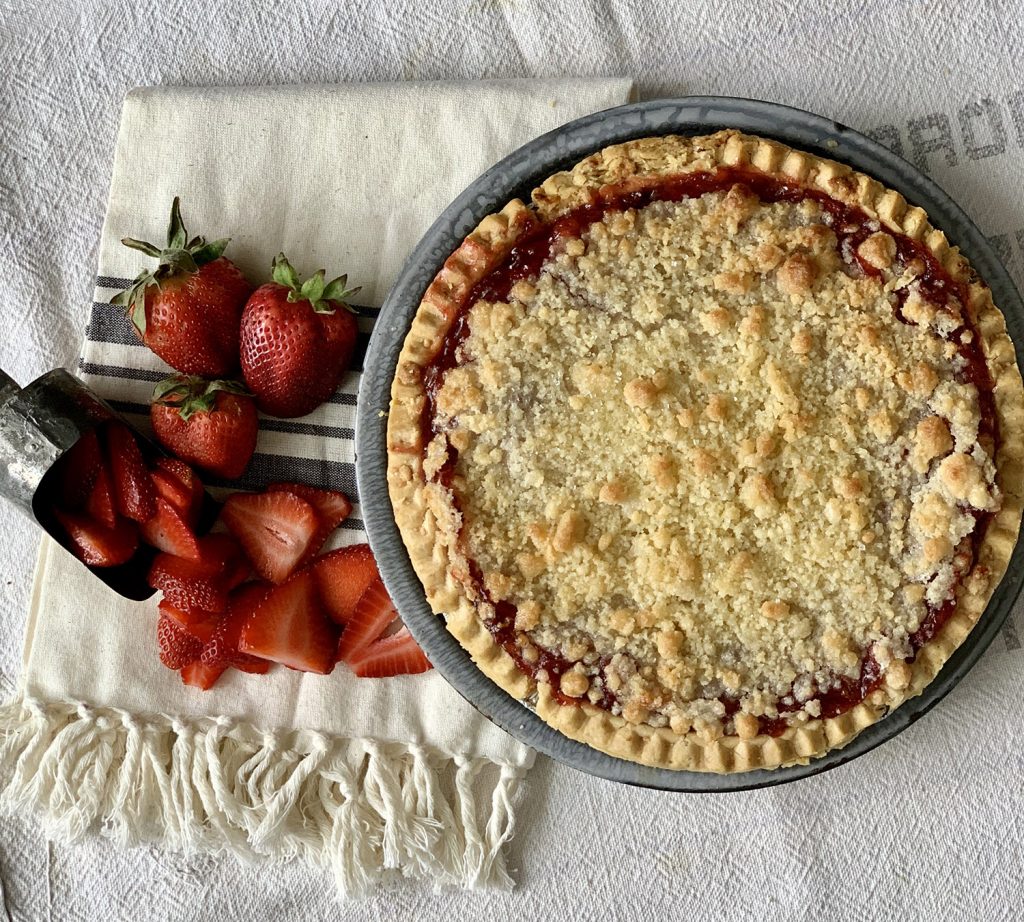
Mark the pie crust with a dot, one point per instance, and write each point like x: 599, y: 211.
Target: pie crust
x: 941, y: 472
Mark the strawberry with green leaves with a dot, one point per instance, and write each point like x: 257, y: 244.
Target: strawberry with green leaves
x: 187, y: 310
x: 211, y: 424
x: 296, y: 340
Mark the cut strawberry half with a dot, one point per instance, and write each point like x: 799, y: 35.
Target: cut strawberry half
x: 188, y: 584
x: 200, y: 675
x: 223, y: 645
x: 275, y: 529
x: 100, y: 504
x: 167, y: 531
x: 97, y: 545
x: 342, y: 576
x: 200, y: 624
x: 291, y: 627
x: 398, y: 654
x: 134, y: 494
x: 181, y: 486
x: 372, y: 614
x: 177, y: 646
x: 80, y: 465
x: 332, y: 508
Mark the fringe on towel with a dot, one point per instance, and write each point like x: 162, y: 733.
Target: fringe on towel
x: 362, y: 808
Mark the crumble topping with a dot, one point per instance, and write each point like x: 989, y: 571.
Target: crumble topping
x: 707, y: 463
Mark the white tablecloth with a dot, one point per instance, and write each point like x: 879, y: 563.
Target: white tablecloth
x: 927, y: 826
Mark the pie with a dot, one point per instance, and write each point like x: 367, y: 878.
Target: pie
x: 712, y: 453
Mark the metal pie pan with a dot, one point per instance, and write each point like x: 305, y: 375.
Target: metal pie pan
x: 516, y: 176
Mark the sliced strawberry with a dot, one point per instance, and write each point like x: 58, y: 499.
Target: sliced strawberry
x: 200, y: 675
x: 332, y: 508
x: 133, y: 487
x: 97, y: 545
x: 171, y: 490
x: 252, y: 664
x: 200, y: 624
x: 167, y: 531
x: 177, y: 647
x: 291, y: 627
x: 187, y: 584
x: 398, y: 654
x: 275, y: 529
x: 342, y: 576
x: 372, y: 614
x: 80, y: 465
x: 223, y: 645
x: 190, y: 490
x: 100, y: 504
x: 221, y: 550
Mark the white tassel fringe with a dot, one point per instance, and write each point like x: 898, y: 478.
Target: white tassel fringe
x: 364, y: 809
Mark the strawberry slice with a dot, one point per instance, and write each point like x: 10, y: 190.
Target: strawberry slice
x: 188, y: 585
x: 80, y: 465
x: 178, y: 647
x: 291, y: 627
x: 398, y: 654
x: 97, y: 545
x: 252, y: 664
x: 372, y: 614
x: 275, y: 529
x: 200, y: 624
x: 172, y: 491
x: 134, y: 494
x: 179, y: 480
x: 342, y: 576
x: 167, y: 531
x: 332, y: 508
x: 223, y: 645
x: 100, y: 504
x: 221, y: 550
x: 199, y: 675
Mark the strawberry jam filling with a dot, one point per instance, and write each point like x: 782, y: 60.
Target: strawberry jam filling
x: 852, y: 226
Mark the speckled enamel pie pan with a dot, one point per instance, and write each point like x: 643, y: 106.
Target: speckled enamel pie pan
x: 514, y: 177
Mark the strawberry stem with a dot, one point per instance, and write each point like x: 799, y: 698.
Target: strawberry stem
x: 180, y: 255
x: 190, y: 394
x: 323, y: 296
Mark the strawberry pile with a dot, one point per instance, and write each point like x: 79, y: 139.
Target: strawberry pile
x: 108, y: 498
x: 304, y: 610
x: 260, y: 591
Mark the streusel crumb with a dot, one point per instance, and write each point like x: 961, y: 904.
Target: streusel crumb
x: 701, y: 449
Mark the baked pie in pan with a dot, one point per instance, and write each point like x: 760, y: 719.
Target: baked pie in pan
x: 712, y: 452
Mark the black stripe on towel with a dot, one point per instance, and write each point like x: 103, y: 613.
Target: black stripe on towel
x: 267, y: 423
x: 111, y: 281
x: 125, y: 374
x: 140, y: 374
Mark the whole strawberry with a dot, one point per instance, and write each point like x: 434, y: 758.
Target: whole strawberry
x: 187, y: 309
x: 211, y: 424
x: 297, y: 340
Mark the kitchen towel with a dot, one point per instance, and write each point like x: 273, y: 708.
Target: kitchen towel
x: 368, y: 777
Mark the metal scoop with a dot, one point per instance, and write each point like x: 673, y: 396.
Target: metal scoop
x: 38, y: 425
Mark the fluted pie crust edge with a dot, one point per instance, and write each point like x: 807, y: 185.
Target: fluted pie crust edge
x: 428, y: 525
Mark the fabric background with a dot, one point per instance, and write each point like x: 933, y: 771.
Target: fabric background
x: 925, y: 827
